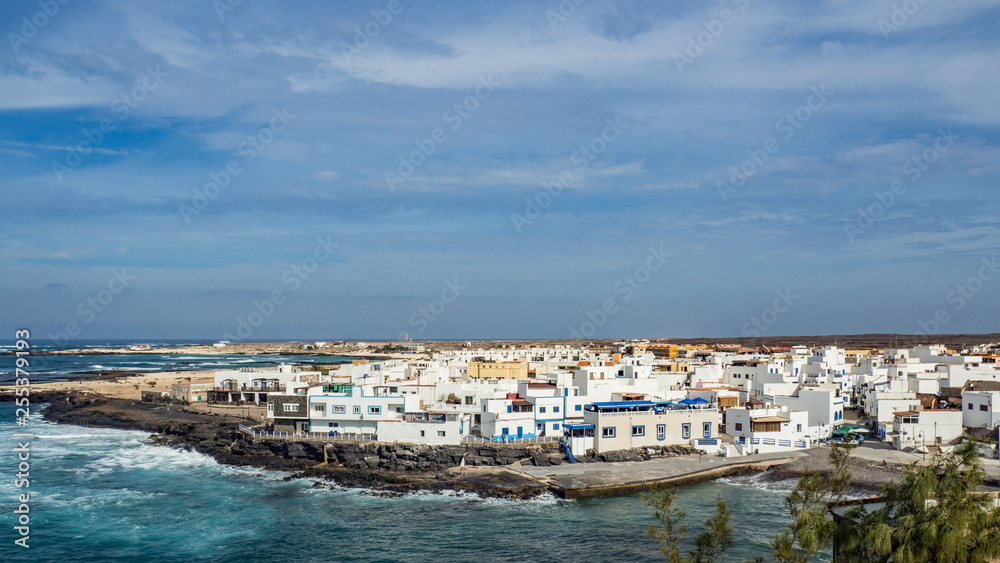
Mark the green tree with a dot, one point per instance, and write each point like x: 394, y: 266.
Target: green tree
x: 710, y: 545
x: 811, y: 529
x: 932, y: 514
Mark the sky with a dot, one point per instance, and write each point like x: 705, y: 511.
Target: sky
x: 456, y: 170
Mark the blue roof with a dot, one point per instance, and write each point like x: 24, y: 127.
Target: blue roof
x: 578, y: 426
x: 623, y: 404
x: 697, y: 401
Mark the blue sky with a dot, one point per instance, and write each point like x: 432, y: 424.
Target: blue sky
x: 546, y: 148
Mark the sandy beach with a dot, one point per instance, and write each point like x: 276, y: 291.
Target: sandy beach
x: 125, y: 386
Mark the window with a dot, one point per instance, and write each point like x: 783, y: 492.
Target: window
x: 540, y: 426
x: 541, y: 410
x: 970, y: 406
x: 638, y: 430
x: 983, y: 407
x: 686, y: 430
x: 484, y: 408
x: 270, y: 407
x: 441, y: 433
x: 510, y: 408
x: 798, y: 428
x: 706, y: 429
x: 319, y: 408
x: 608, y: 432
x: 505, y: 431
x: 374, y: 410
x: 339, y: 409
x: 739, y: 426
x: 291, y: 407
x: 357, y: 409
x: 468, y: 400
x: 555, y: 427
x: 332, y: 424
x: 578, y: 407
x: 661, y: 431
x: 421, y: 433
x: 555, y: 409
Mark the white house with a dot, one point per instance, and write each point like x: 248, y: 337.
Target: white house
x: 823, y: 404
x: 425, y: 428
x: 510, y: 417
x: 355, y: 409
x: 980, y: 409
x: 928, y: 427
x: 253, y: 385
x: 768, y: 429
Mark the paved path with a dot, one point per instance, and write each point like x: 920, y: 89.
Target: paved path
x: 599, y: 479
x: 878, y: 451
x: 615, y: 478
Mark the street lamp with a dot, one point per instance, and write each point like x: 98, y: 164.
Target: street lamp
x: 923, y: 444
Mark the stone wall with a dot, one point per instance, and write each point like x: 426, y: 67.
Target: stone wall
x: 400, y: 457
x: 639, y: 454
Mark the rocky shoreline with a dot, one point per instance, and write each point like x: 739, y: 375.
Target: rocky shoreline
x: 379, y: 467
x: 382, y: 468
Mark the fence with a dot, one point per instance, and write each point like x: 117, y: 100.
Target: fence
x: 348, y: 437
x: 508, y: 440
x: 773, y: 442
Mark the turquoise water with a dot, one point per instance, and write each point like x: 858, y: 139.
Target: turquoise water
x: 109, y: 495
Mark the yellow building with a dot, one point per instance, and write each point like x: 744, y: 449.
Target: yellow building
x: 662, y: 350
x: 517, y: 369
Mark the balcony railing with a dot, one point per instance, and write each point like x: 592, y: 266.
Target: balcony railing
x: 508, y: 439
x: 246, y: 389
x: 347, y: 437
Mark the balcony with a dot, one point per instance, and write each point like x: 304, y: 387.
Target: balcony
x: 436, y: 417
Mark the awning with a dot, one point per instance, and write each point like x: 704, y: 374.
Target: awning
x: 769, y: 419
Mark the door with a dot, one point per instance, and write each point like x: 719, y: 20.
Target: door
x: 520, y: 432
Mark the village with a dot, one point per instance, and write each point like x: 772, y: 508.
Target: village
x: 727, y: 401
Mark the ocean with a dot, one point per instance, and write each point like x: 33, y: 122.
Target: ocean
x: 55, y: 368
x: 109, y: 495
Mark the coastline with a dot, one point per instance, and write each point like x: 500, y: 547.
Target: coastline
x: 113, y: 401
x: 518, y: 472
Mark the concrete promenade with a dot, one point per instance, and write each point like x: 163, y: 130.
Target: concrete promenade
x: 582, y: 480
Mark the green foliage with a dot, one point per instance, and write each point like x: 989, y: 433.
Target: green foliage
x: 932, y: 514
x: 810, y: 530
x: 710, y: 545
